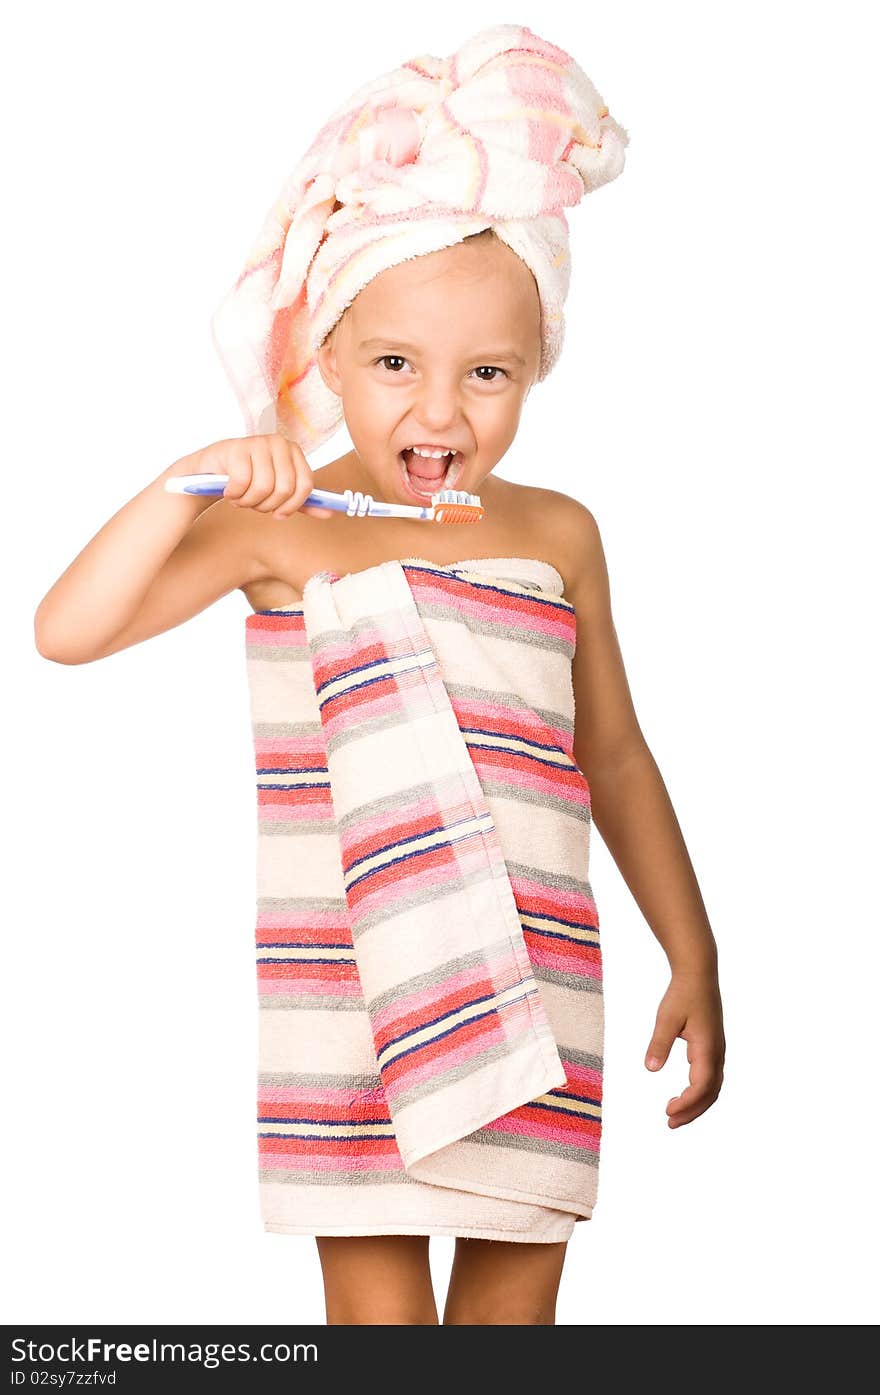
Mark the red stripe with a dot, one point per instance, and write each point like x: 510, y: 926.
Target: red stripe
x: 487, y: 1027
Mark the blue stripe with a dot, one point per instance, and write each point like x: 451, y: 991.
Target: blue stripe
x: 413, y: 837
x: 539, y: 1104
x: 506, y: 736
x: 526, y: 755
x: 556, y: 602
x: 384, y: 663
x: 561, y: 1093
x: 266, y: 959
x: 555, y: 935
x: 313, y: 1119
x: 448, y: 1033
x: 418, y: 852
x: 310, y: 785
x: 444, y: 1016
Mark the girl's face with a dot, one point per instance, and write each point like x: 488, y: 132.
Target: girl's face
x: 438, y: 351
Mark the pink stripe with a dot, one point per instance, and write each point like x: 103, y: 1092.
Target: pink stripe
x: 464, y: 856
x: 565, y: 963
x: 289, y: 920
x: 299, y: 748
x: 529, y: 775
x: 502, y: 972
x: 534, y: 894
x: 266, y: 636
x: 303, y: 987
x: 314, y: 1094
x: 508, y: 1026
x: 333, y: 1162
x: 551, y: 1133
x: 415, y: 1075
x: 583, y: 1080
x: 543, y: 619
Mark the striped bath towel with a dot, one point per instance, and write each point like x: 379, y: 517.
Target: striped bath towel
x: 428, y: 950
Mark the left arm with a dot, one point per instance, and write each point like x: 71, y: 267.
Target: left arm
x: 633, y: 812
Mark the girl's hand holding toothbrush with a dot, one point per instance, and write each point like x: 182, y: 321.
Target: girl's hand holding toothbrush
x: 266, y: 473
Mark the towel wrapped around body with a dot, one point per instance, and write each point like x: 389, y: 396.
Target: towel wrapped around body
x: 428, y: 956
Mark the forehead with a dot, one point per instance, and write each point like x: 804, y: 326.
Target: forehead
x: 482, y: 276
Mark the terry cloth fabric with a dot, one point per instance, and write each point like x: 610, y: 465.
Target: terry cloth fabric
x: 429, y: 965
x: 506, y: 133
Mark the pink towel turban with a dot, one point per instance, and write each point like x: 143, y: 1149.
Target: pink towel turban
x: 507, y: 134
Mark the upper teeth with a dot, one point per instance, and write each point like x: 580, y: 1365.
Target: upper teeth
x: 431, y: 454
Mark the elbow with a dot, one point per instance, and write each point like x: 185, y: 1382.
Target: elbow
x: 51, y: 646
x: 49, y: 651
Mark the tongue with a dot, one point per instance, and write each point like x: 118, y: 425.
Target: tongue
x: 426, y: 468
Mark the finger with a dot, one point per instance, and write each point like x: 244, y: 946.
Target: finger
x: 233, y: 461
x: 301, y: 482
x: 283, y: 475
x: 666, y: 1029
x: 316, y: 510
x: 704, y: 1085
x: 262, y: 473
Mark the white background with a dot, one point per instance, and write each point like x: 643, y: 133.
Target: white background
x: 715, y: 407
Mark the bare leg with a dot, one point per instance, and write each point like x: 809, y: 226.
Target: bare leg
x: 381, y: 1279
x: 504, y: 1281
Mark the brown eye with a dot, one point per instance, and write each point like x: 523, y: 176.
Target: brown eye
x: 391, y: 358
x: 490, y: 368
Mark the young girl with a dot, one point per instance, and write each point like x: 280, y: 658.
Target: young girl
x: 428, y: 946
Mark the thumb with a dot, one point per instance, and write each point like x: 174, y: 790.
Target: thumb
x: 317, y: 511
x: 665, y: 1032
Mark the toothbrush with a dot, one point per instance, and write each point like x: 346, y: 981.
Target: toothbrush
x: 447, y: 506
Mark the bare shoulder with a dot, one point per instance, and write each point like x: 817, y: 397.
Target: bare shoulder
x: 574, y: 545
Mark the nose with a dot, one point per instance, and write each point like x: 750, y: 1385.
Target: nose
x: 437, y: 405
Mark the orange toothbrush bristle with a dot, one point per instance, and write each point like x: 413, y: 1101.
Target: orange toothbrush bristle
x: 460, y: 508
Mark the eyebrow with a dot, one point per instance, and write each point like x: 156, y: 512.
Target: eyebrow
x: 391, y: 342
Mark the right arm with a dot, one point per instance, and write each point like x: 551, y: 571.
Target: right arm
x: 164, y: 557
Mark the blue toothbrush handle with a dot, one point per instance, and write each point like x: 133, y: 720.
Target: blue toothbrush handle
x: 206, y: 484
x: 352, y: 502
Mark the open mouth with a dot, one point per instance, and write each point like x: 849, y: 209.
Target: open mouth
x: 424, y: 477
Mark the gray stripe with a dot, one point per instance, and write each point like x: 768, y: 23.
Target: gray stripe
x: 434, y: 790
x: 422, y: 897
x: 545, y: 877
x: 429, y: 978
x: 502, y: 697
x: 311, y: 1002
x: 301, y: 904
x: 277, y: 828
x: 277, y: 653
x: 336, y: 1179
x: 581, y: 1058
x: 421, y: 1089
x: 331, y: 639
x: 450, y: 611
x: 366, y: 727
x: 581, y: 983
x: 319, y: 1080
x: 538, y: 798
x: 549, y: 1147
x: 298, y: 729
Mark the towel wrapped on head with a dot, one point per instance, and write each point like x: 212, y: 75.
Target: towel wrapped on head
x: 506, y: 134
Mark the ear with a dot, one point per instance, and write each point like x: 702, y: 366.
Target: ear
x: 327, y: 364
